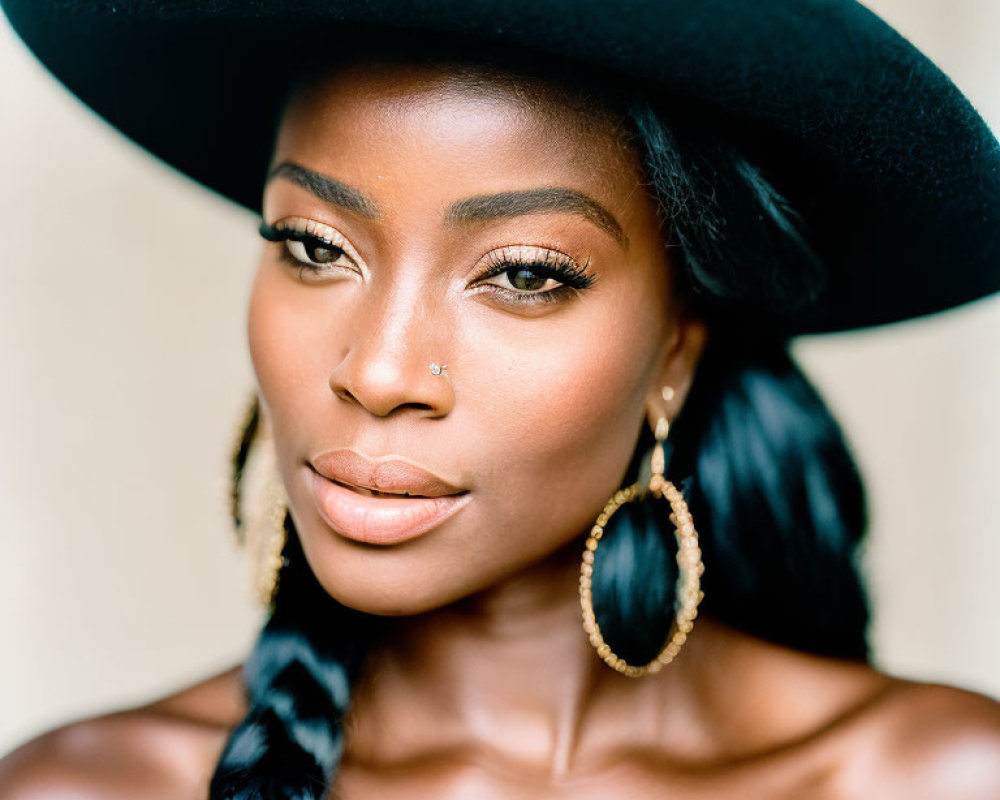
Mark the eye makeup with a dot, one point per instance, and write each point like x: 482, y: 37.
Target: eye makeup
x: 533, y: 274
x: 311, y: 245
x: 515, y: 274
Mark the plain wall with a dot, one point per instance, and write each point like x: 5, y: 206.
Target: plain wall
x: 124, y: 374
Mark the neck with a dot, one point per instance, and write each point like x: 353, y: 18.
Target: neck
x: 511, y: 669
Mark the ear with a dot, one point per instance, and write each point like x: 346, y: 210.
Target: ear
x: 683, y: 352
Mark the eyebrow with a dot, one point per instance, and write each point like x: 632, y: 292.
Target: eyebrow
x: 536, y: 201
x: 545, y: 200
x: 327, y: 189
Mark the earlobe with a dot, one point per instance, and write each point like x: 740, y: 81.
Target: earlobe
x: 669, y: 390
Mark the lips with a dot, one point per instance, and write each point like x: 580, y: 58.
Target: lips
x: 380, y: 501
x: 389, y: 476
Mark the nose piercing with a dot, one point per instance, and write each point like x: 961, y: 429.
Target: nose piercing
x: 438, y: 369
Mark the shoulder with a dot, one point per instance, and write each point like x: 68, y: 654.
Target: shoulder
x: 926, y: 741
x: 165, y: 749
x: 866, y: 733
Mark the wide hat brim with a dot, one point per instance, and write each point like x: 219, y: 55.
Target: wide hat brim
x: 895, y: 174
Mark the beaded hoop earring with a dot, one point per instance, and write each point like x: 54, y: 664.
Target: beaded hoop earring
x: 688, y: 592
x: 269, y: 560
x: 259, y: 527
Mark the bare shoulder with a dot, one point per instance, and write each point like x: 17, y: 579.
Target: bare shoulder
x: 860, y: 732
x: 164, y: 749
x: 926, y: 741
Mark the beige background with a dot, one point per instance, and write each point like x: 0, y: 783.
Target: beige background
x: 123, y: 374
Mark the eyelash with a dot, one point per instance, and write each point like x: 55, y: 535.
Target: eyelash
x: 298, y: 232
x: 552, y: 264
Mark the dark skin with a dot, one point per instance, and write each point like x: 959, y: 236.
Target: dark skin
x: 537, y: 420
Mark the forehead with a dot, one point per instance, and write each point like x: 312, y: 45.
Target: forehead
x: 466, y: 130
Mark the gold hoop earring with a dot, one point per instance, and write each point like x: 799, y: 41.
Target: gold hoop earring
x: 687, y: 593
x: 260, y: 524
x: 270, y: 560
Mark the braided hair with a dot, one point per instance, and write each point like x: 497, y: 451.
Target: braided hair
x: 771, y: 484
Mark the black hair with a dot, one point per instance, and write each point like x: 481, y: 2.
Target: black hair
x: 775, y: 494
x: 773, y: 490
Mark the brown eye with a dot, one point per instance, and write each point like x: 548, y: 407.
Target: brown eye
x: 315, y: 253
x: 313, y: 246
x: 521, y: 273
x: 322, y: 253
x: 525, y: 280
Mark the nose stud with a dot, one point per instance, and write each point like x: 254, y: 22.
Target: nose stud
x: 438, y: 369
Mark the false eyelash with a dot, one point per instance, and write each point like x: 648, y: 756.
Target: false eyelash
x: 283, y: 233
x: 273, y: 233
x: 553, y: 265
x: 572, y: 278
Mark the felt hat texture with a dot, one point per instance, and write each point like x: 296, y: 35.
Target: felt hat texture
x: 895, y: 174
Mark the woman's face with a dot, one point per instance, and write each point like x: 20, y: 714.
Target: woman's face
x: 493, y: 230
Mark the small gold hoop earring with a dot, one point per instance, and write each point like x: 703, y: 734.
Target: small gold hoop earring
x: 687, y: 593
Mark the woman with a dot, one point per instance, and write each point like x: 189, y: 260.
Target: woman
x: 508, y: 289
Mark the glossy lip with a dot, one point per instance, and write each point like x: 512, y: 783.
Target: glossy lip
x: 387, y: 474
x: 340, y: 482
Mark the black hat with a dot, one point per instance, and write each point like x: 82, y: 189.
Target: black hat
x: 896, y: 176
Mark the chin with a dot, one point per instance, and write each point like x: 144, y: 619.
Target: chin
x: 381, y: 596
x: 397, y: 581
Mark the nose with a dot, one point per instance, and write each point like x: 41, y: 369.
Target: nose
x: 395, y: 359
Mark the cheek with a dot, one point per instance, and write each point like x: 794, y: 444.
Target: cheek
x: 568, y: 407
x: 270, y: 346
x: 291, y: 347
